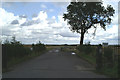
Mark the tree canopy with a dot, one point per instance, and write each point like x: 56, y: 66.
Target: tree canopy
x: 83, y: 15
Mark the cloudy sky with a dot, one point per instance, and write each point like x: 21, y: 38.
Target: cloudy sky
x: 31, y: 22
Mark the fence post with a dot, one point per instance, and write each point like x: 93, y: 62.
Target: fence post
x: 99, y: 58
x: 0, y: 60
x: 118, y: 63
x: 4, y: 57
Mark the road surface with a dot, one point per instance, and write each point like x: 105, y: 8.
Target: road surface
x: 54, y: 64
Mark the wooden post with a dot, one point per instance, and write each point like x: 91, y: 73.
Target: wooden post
x: 4, y: 57
x: 0, y: 61
x: 99, y: 58
x: 118, y: 62
x: 118, y: 66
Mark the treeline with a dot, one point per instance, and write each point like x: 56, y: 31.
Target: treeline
x: 15, y: 50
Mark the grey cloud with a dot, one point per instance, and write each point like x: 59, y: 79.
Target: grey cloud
x: 42, y: 32
x: 114, y: 38
x: 15, y: 22
x: 35, y: 32
x: 60, y: 4
x: 103, y: 38
x: 34, y: 15
x: 35, y: 29
x: 28, y: 23
x: 6, y: 32
x: 51, y: 21
x: 27, y: 40
x: 23, y: 16
x: 119, y: 6
x: 119, y: 18
x: 57, y: 27
x: 67, y: 34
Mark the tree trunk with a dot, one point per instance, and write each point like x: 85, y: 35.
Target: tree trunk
x: 82, y: 37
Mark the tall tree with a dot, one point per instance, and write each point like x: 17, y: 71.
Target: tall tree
x: 83, y: 15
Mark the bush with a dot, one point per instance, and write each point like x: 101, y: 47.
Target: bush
x: 12, y: 50
x: 39, y: 47
x: 80, y: 48
x: 15, y: 50
x: 87, y: 49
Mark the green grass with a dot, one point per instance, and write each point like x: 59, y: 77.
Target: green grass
x: 110, y: 72
x: 87, y: 57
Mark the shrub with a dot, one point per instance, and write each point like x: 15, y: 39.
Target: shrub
x: 39, y: 47
x: 80, y: 48
x: 13, y: 49
x: 87, y: 49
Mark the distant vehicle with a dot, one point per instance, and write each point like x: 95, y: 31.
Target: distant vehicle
x: 31, y: 49
x: 73, y: 53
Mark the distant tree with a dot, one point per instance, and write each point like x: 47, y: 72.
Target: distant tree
x: 14, y: 49
x: 14, y: 41
x: 65, y: 44
x: 88, y: 43
x: 83, y: 15
x: 6, y: 41
x: 38, y: 47
x: 32, y: 44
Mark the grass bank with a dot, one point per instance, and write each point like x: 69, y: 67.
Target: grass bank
x: 91, y: 58
x: 110, y: 72
x: 88, y: 58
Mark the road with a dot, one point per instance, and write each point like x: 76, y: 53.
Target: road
x: 54, y: 64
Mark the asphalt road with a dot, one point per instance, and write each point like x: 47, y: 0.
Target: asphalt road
x: 54, y: 64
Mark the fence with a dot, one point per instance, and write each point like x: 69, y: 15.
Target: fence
x: 106, y: 56
x: 111, y: 52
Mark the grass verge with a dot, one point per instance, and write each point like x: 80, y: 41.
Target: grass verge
x: 88, y: 58
x: 110, y: 72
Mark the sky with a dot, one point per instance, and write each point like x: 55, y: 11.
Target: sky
x: 31, y: 22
